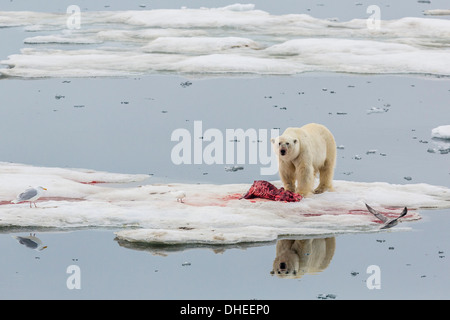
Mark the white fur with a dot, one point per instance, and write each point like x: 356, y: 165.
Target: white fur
x: 294, y: 258
x: 308, y: 150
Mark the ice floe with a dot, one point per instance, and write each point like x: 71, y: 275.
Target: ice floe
x: 441, y: 140
x: 236, y: 39
x: 437, y: 12
x: 209, y: 213
x: 441, y: 132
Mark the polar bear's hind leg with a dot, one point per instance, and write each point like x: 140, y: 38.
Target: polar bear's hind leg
x: 325, y: 178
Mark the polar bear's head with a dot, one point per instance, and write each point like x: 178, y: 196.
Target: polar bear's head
x: 295, y: 258
x: 286, y: 147
x: 286, y: 264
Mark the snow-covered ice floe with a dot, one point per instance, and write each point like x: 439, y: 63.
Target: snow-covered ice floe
x: 209, y: 214
x: 441, y: 132
x: 236, y: 39
x: 437, y: 12
x: 441, y: 140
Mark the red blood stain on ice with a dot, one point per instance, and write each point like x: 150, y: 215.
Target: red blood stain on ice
x: 238, y: 196
x: 389, y: 212
x: 91, y: 182
x: 214, y: 202
x: 234, y: 196
x: 223, y: 201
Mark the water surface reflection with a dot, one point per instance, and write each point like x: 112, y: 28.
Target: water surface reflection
x: 295, y: 258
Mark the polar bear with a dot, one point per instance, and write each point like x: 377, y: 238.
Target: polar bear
x: 294, y: 258
x: 304, y: 152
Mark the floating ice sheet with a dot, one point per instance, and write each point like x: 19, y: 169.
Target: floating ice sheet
x: 236, y: 39
x: 211, y: 214
x: 441, y: 132
x: 437, y: 12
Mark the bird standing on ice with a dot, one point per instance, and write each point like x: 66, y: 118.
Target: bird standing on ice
x: 180, y: 195
x: 30, y: 195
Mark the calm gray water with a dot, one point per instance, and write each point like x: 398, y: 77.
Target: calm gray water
x: 124, y: 125
x: 103, y: 136
x: 413, y: 265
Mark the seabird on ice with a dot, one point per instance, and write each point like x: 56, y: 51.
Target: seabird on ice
x: 387, y: 223
x: 31, y: 195
x: 180, y: 195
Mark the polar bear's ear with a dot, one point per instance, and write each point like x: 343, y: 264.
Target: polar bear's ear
x: 272, y: 140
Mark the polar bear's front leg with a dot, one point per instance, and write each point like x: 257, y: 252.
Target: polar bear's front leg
x: 305, y: 180
x: 287, y: 175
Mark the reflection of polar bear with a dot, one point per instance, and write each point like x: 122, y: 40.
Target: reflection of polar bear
x: 298, y: 257
x: 304, y: 152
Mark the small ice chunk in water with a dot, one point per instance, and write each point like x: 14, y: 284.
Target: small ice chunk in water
x: 186, y: 84
x: 377, y: 110
x: 233, y: 168
x: 442, y: 132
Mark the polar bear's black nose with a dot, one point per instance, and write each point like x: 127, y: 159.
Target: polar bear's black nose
x: 282, y: 265
x: 283, y: 152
